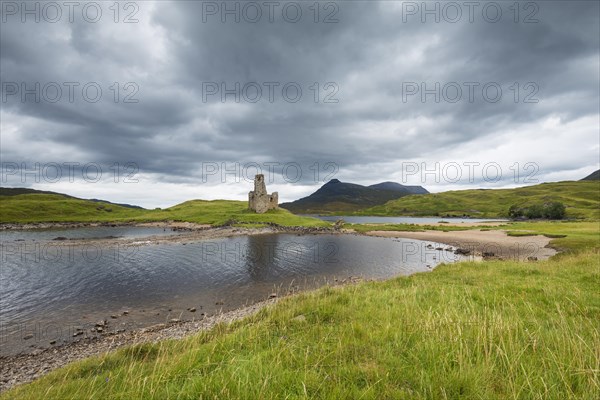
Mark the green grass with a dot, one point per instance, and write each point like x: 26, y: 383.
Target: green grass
x: 495, y: 330
x: 219, y: 212
x: 362, y: 228
x: 582, y: 200
x: 492, y: 330
x: 55, y: 208
x: 567, y: 236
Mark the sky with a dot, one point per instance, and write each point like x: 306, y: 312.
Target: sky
x: 156, y: 102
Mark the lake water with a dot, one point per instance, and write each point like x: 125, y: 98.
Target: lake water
x: 50, y: 289
x: 400, y: 220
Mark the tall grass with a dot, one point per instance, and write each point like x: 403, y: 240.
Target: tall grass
x: 493, y: 330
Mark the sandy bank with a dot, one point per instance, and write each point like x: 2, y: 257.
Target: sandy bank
x: 490, y: 244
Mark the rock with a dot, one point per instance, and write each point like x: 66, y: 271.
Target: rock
x: 101, y: 323
x: 78, y: 333
x: 219, y: 303
x: 339, y: 224
x: 463, y: 252
x: 272, y: 295
x: 114, y: 316
x: 299, y: 318
x: 192, y: 309
x: 99, y: 329
x: 53, y: 342
x: 439, y: 248
x: 125, y: 312
x: 488, y: 254
x: 28, y: 336
x: 532, y: 258
x: 174, y: 320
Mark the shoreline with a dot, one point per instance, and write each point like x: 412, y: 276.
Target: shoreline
x: 26, y: 367
x: 493, y: 244
x: 187, y: 231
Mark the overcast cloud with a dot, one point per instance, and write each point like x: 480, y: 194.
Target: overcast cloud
x: 368, y: 125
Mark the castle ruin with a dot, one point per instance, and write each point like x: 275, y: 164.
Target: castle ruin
x: 259, y: 200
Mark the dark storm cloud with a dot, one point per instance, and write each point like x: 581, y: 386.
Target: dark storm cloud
x: 369, y: 54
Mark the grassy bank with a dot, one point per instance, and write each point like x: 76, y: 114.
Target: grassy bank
x: 492, y: 330
x: 568, y: 236
x: 219, y: 212
x: 363, y: 228
x: 57, y: 208
x: 581, y: 198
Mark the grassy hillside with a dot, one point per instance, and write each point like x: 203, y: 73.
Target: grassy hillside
x: 219, y: 212
x: 58, y: 208
x: 582, y: 200
x: 492, y: 330
x: 6, y: 191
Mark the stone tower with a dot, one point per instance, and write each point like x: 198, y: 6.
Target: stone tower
x: 258, y: 199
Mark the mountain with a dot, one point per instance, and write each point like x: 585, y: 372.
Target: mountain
x: 594, y: 176
x: 336, y: 196
x: 399, y: 188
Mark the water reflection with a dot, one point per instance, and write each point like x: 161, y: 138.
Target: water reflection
x: 156, y: 281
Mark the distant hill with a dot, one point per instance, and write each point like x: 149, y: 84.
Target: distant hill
x: 118, y: 204
x: 19, y: 191
x: 594, y: 176
x: 336, y: 196
x: 581, y: 198
x: 399, y: 188
x: 30, y: 205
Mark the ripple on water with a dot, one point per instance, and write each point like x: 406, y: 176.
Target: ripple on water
x: 64, y: 288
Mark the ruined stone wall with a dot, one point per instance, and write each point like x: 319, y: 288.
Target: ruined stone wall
x: 259, y: 200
